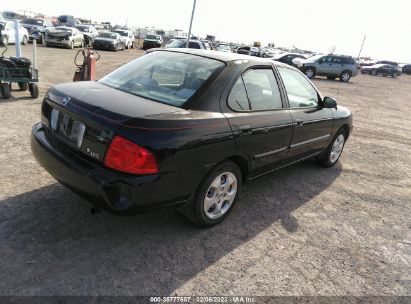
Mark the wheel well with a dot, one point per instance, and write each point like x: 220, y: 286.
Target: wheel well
x: 242, y: 163
x: 348, y: 71
x: 346, y: 129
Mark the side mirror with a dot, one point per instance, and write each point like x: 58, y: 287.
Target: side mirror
x: 329, y: 103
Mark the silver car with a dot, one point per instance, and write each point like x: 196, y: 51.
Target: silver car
x: 331, y: 66
x: 64, y: 36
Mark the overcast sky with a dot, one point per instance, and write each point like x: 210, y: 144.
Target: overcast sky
x: 316, y: 25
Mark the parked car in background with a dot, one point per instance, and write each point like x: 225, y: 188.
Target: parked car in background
x: 127, y: 36
x: 207, y: 44
x: 109, y: 41
x: 244, y: 50
x: 193, y: 44
x: 64, y: 36
x: 89, y: 32
x: 406, y: 69
x: 36, y: 28
x: 67, y: 20
x: 224, y: 48
x: 152, y: 41
x: 255, y: 51
x: 382, y: 69
x: 288, y: 58
x: 187, y: 128
x: 387, y: 62
x: 8, y: 33
x: 332, y: 66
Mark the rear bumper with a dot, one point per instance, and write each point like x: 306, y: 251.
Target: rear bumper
x: 65, y: 43
x: 107, y: 189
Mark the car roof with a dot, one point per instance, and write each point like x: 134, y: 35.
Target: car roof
x: 221, y: 56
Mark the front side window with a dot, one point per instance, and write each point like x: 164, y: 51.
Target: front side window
x: 255, y: 90
x: 167, y: 77
x: 300, y: 92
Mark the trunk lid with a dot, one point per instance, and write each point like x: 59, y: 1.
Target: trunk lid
x: 84, y: 116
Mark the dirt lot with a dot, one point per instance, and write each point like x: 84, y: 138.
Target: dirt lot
x: 300, y: 231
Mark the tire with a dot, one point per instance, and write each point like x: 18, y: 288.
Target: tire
x: 34, y: 90
x: 71, y: 45
x: 25, y: 40
x: 395, y: 75
x: 221, y: 203
x: 334, y: 150
x: 374, y: 72
x: 132, y: 45
x: 116, y: 49
x: 4, y: 40
x: 330, y: 77
x: 41, y: 39
x: 309, y: 72
x: 345, y: 76
x: 23, y: 86
x: 5, y: 90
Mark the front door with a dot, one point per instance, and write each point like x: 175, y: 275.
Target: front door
x: 312, y: 124
x: 261, y: 124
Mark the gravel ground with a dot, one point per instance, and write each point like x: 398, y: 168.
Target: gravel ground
x: 304, y: 230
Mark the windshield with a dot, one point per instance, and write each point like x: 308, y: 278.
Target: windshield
x: 315, y: 57
x: 224, y: 47
x: 63, y: 29
x: 122, y: 33
x: 85, y: 29
x: 167, y: 77
x: 153, y: 37
x: 32, y: 21
x: 176, y: 44
x: 108, y: 35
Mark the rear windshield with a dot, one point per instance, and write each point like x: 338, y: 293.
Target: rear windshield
x: 167, y: 77
x: 108, y: 35
x: 154, y: 37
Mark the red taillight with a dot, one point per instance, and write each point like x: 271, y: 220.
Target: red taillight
x: 124, y: 155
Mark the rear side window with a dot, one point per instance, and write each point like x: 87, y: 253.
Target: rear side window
x: 300, y: 92
x: 347, y: 60
x: 194, y: 45
x: 255, y: 90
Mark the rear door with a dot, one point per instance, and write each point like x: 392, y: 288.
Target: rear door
x: 261, y: 123
x: 312, y: 124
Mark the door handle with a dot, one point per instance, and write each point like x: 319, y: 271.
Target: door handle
x: 299, y: 122
x: 245, y: 129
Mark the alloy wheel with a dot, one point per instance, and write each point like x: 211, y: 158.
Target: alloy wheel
x: 220, y: 195
x: 337, y: 148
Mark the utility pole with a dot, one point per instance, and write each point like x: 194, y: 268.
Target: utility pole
x: 191, y: 23
x: 359, y: 54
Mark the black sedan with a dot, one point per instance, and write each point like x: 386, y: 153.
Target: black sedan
x: 287, y: 58
x: 381, y: 69
x: 109, y: 41
x: 184, y: 128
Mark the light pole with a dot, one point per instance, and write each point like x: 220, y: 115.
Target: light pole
x: 191, y: 23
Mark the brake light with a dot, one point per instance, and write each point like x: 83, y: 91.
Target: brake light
x: 126, y: 156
